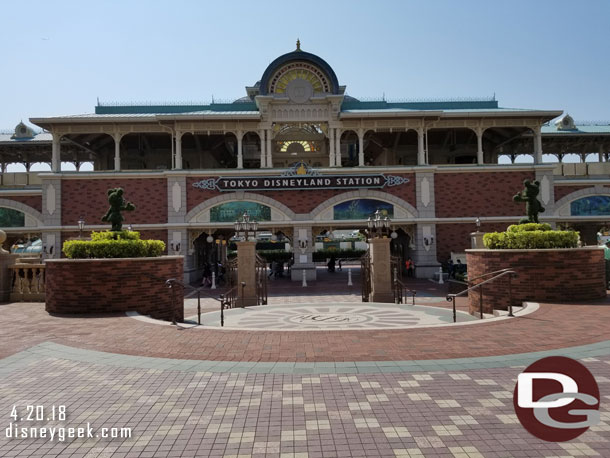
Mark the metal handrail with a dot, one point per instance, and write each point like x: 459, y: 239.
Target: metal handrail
x: 502, y: 273
x: 227, y: 300
x: 486, y: 275
x: 399, y: 288
x: 170, y: 282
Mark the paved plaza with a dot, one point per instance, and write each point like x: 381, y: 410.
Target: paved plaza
x: 442, y: 391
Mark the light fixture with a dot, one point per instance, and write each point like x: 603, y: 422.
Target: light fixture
x: 274, y: 238
x: 246, y: 228
x: 209, y: 239
x: 378, y: 225
x: 394, y: 235
x: 478, y: 223
x: 81, y: 226
x: 130, y: 228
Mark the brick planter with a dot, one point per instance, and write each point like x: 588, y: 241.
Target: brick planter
x: 92, y: 286
x: 546, y: 275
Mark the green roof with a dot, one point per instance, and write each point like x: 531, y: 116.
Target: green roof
x: 173, y: 109
x: 423, y: 105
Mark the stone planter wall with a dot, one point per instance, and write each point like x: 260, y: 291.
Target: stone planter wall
x: 546, y: 275
x: 92, y: 286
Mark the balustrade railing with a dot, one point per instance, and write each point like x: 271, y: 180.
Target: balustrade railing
x: 28, y: 282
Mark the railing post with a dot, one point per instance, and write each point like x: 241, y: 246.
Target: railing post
x: 481, y: 301
x: 222, y: 310
x: 198, y: 307
x: 243, y: 287
x: 454, y: 313
x: 510, y: 296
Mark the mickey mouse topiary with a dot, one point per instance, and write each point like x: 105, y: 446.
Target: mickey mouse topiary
x: 117, y: 204
x: 532, y: 204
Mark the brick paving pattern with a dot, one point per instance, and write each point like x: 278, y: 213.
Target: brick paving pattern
x: 188, y: 414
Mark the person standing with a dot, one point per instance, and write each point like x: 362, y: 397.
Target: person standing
x: 410, y: 266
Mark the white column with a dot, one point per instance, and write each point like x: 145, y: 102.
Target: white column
x: 240, y: 153
x: 178, y: 161
x: 269, y: 157
x: 480, y: 156
x: 421, y: 152
x: 361, y: 147
x: 56, y: 153
x: 537, y: 145
x: 331, y: 147
x: 261, y: 134
x: 338, y: 147
x: 117, y: 152
x: 600, y: 154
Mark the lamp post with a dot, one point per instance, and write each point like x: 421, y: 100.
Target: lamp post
x: 378, y: 226
x: 81, y: 226
x: 246, y: 228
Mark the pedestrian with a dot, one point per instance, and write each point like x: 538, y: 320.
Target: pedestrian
x: 410, y: 266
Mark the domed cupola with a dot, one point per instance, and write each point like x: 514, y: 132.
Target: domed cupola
x: 23, y: 132
x: 299, y: 75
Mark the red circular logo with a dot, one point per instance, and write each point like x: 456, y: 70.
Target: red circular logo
x: 556, y: 399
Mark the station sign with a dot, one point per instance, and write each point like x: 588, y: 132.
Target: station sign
x: 300, y: 177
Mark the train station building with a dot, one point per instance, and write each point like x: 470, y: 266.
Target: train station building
x: 304, y: 158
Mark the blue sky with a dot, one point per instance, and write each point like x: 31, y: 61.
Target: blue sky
x: 60, y: 56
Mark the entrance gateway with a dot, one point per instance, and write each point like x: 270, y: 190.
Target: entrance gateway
x: 356, y: 198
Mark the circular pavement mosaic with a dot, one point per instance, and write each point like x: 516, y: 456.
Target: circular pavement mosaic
x: 328, y: 317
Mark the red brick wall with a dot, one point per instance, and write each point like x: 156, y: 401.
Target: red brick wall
x: 542, y: 276
x: 299, y: 201
x: 562, y: 191
x: 456, y: 237
x: 479, y: 193
x: 95, y: 286
x: 32, y: 201
x: 89, y: 198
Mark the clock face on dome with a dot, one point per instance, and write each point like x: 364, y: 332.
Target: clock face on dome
x: 298, y: 79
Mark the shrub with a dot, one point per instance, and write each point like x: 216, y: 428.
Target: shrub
x: 120, y: 244
x: 530, y: 236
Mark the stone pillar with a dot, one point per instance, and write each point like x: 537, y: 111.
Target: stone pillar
x: 426, y: 262
x: 338, y: 147
x: 381, y: 273
x: 547, y: 191
x: 246, y: 273
x: 240, y: 153
x: 361, y: 147
x: 537, y: 145
x: 261, y: 134
x: 480, y: 155
x: 269, y: 150
x: 6, y: 260
x: 600, y: 154
x: 303, y: 248
x: 424, y: 256
x: 178, y: 158
x: 117, y: 151
x: 56, y: 153
x: 331, y: 147
x: 421, y: 152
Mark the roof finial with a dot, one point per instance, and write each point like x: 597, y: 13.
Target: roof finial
x: 298, y: 44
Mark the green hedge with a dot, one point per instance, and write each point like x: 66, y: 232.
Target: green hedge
x: 530, y: 236
x: 123, y: 244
